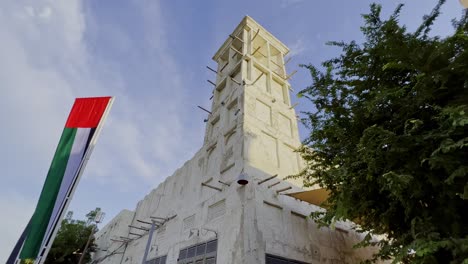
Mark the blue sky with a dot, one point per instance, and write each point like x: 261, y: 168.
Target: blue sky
x: 151, y: 55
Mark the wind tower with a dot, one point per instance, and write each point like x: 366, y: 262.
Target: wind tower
x: 202, y: 213
x: 252, y: 121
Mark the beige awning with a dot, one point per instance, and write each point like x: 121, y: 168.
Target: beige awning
x: 315, y: 197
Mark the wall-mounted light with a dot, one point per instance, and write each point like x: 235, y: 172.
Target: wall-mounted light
x: 243, y: 179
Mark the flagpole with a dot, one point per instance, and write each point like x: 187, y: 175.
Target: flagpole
x: 44, y: 250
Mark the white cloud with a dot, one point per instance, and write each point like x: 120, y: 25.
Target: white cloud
x: 29, y: 11
x: 297, y: 47
x: 46, y: 12
x: 288, y: 3
x: 45, y: 64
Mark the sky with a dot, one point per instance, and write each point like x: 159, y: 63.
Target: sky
x: 151, y: 55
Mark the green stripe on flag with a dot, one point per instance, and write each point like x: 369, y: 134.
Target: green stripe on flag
x: 45, y: 205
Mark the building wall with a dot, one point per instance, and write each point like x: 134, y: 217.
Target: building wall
x: 288, y: 232
x: 252, y: 129
x: 250, y: 221
x: 109, y: 251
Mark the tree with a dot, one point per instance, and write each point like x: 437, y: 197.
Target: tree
x: 389, y: 138
x: 71, y: 240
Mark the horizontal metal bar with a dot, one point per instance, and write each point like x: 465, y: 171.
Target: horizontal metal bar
x: 209, y: 179
x: 135, y: 234
x: 212, y: 187
x: 341, y: 230
x: 236, y: 37
x: 209, y: 68
x: 171, y: 217
x: 158, y: 217
x: 258, y: 78
x: 272, y: 204
x: 280, y: 66
x: 148, y: 223
x: 222, y: 68
x: 256, y: 34
x: 274, y: 184
x: 255, y: 51
x: 240, y: 53
x: 140, y: 228
x: 227, y: 184
x: 204, y: 109
x: 118, y: 240
x: 214, y: 84
x: 298, y: 214
x: 294, y: 105
x: 234, y: 80
x: 290, y: 75
x: 267, y: 179
x: 284, y: 189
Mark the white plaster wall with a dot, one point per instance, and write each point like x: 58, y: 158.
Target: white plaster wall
x: 252, y: 129
x: 289, y: 233
x: 109, y: 251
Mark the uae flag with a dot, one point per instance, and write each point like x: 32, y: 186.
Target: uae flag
x: 75, y: 145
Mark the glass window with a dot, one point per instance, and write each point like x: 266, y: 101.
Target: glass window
x: 203, y: 253
x: 163, y: 260
x: 211, y: 246
x: 191, y: 252
x: 183, y: 254
x: 201, y: 249
x: 271, y: 259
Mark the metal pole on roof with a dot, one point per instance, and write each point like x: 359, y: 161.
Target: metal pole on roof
x: 148, y: 243
x: 87, y: 245
x: 97, y: 219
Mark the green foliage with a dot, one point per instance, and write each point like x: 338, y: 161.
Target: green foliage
x: 70, y: 242
x: 92, y: 215
x: 389, y: 138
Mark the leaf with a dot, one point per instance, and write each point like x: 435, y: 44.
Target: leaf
x: 458, y: 173
x: 387, y: 124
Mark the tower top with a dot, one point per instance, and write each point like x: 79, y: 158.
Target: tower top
x: 249, y: 23
x: 252, y: 126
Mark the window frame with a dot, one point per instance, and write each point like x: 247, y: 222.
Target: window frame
x: 285, y: 260
x: 197, y: 257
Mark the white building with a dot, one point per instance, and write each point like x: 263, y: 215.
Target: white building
x: 202, y: 214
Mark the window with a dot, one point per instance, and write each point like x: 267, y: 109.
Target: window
x: 201, y: 249
x: 204, y: 253
x: 271, y: 259
x: 191, y: 252
x: 216, y: 210
x: 183, y: 254
x: 158, y: 260
x: 211, y: 246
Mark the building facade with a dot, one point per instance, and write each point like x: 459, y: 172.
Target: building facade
x: 200, y: 213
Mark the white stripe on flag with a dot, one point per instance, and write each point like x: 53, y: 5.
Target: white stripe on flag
x: 74, y: 161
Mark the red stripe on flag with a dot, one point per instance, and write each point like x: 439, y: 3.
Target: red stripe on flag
x: 87, y: 112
